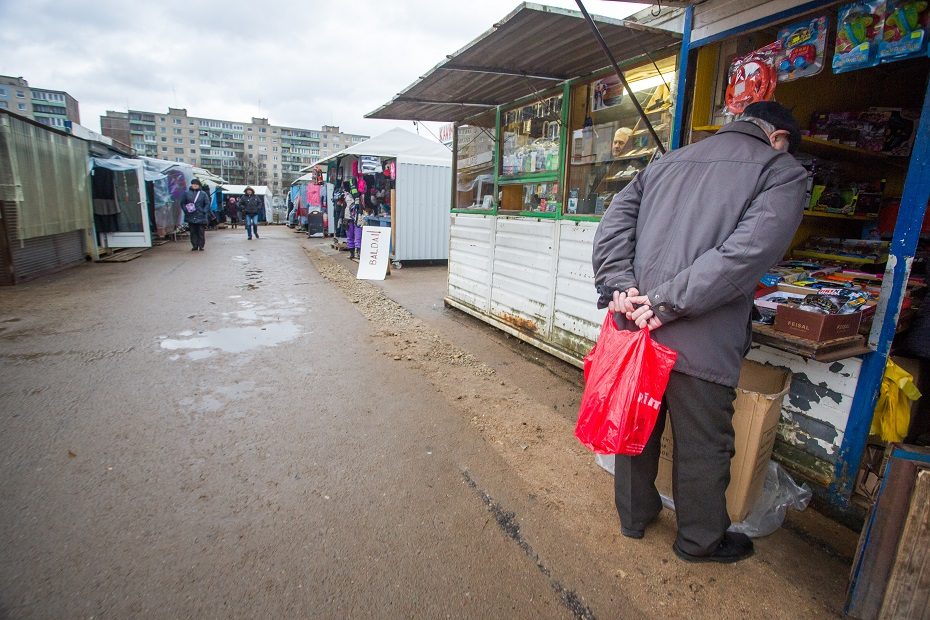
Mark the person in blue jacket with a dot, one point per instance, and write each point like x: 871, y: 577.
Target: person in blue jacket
x: 196, y: 206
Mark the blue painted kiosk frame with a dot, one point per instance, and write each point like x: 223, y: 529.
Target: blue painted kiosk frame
x: 903, y: 247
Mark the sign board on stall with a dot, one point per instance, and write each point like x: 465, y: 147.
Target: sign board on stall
x: 374, y: 253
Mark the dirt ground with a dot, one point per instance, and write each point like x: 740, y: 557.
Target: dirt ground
x: 245, y: 431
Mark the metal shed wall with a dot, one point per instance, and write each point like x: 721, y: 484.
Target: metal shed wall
x: 421, y: 215
x: 30, y: 258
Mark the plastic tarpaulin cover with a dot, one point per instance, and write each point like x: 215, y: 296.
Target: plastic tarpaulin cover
x: 45, y: 174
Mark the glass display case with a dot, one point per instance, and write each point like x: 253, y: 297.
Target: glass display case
x: 540, y: 198
x: 531, y: 137
x: 474, y: 159
x: 609, y: 143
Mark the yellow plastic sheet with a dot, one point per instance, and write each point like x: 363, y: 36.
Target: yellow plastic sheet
x: 893, y: 411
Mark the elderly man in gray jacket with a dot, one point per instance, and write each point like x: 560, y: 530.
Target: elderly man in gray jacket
x: 680, y: 250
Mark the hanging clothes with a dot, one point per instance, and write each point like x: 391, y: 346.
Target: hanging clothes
x: 106, y: 209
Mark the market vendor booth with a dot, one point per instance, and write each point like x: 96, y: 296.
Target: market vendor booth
x: 406, y: 179
x: 838, y: 312
x: 543, y: 140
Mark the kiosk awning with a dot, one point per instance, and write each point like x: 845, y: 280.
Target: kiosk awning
x: 532, y: 49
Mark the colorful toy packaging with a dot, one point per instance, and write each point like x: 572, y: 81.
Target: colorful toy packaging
x: 905, y: 31
x: 858, y: 34
x: 752, y: 78
x: 802, y: 52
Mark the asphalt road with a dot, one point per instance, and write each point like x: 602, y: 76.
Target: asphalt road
x: 224, y: 434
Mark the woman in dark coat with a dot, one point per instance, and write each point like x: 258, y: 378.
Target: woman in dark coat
x: 251, y: 205
x: 196, y: 206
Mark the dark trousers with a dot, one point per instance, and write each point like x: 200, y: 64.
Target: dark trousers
x: 701, y: 413
x: 198, y: 235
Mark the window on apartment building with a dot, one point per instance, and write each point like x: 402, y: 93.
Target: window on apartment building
x: 161, y: 118
x: 191, y: 122
x: 251, y: 156
x: 250, y: 147
x: 177, y: 131
x: 193, y: 141
x: 21, y: 106
x: 179, y: 159
x: 164, y: 139
x: 2, y: 92
x: 179, y: 140
x: 164, y: 129
x: 177, y: 121
x: 275, y: 149
x: 275, y: 141
x: 21, y: 94
x: 250, y: 129
x: 193, y: 151
x: 178, y: 151
x: 251, y: 138
x: 164, y: 149
x: 261, y: 138
x: 261, y: 130
x: 4, y: 105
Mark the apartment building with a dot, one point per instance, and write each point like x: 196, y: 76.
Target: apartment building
x: 54, y: 108
x: 255, y: 152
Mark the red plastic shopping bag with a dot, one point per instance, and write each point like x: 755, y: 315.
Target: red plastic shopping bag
x: 625, y: 376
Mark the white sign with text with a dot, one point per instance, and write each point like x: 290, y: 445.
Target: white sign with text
x: 375, y: 253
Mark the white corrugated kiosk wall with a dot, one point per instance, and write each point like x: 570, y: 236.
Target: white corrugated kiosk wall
x: 470, y: 251
x: 421, y: 214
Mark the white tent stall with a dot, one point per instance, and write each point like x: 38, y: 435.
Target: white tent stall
x: 260, y: 190
x: 419, y: 217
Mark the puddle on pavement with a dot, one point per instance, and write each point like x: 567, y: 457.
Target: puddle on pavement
x: 232, y: 339
x: 240, y: 259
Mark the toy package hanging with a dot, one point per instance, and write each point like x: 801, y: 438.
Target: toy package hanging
x: 859, y: 28
x: 802, y: 49
x: 752, y: 78
x: 905, y: 32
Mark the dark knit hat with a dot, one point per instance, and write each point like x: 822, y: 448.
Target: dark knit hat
x: 196, y: 182
x: 780, y: 117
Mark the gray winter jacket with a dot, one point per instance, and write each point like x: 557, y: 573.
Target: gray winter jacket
x: 695, y: 231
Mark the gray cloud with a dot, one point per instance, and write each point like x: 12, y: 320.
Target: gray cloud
x: 297, y: 63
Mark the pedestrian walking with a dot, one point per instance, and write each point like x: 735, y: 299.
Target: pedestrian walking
x: 197, y: 214
x: 680, y: 251
x: 251, y: 205
x: 232, y: 212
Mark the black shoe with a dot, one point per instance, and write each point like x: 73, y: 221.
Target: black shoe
x: 733, y: 548
x: 193, y: 249
x: 201, y: 249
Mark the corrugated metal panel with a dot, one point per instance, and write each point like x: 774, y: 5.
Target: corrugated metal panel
x: 470, y: 250
x: 577, y: 320
x: 42, y: 255
x: 533, y: 40
x: 716, y: 16
x: 421, y: 214
x: 522, y: 284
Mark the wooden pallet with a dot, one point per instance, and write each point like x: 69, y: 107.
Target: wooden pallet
x: 123, y: 255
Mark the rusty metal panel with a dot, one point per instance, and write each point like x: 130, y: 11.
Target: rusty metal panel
x: 522, y: 283
x: 470, y: 249
x: 577, y: 320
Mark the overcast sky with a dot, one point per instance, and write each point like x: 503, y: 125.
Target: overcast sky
x: 300, y: 64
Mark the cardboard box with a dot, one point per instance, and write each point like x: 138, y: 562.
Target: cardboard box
x: 755, y: 422
x: 816, y: 326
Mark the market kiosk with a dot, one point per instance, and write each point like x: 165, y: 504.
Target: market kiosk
x: 855, y: 75
x: 867, y: 134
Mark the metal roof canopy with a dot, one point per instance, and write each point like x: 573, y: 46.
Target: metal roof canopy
x: 532, y: 49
